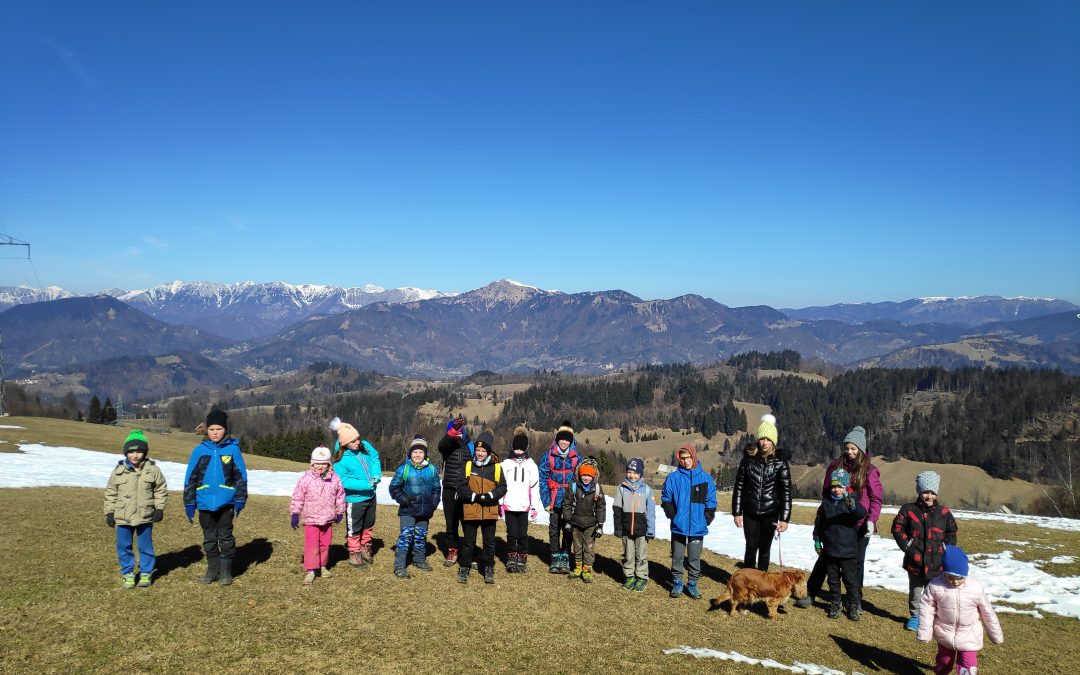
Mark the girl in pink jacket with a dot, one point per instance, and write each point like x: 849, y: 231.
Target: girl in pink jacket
x: 953, y: 611
x: 321, y: 498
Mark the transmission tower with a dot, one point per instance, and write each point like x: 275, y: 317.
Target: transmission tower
x: 5, y: 240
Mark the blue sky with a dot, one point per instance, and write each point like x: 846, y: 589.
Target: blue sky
x: 780, y: 153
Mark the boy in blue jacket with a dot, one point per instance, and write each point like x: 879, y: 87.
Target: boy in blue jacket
x: 689, y: 501
x: 416, y: 488
x: 558, y: 466
x: 216, y: 485
x: 357, y: 464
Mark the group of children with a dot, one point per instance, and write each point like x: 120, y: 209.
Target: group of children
x: 944, y: 603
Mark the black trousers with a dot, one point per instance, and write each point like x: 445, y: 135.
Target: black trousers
x: 848, y: 569
x: 517, y: 531
x: 468, y: 542
x: 452, y: 513
x: 759, y: 532
x: 218, y: 540
x: 817, y: 575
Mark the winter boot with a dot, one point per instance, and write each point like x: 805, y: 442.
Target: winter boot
x: 213, y: 565
x: 576, y: 573
x: 365, y: 554
x: 128, y: 581
x: 353, y: 544
x: 325, y: 573
x: 402, y: 573
x: 692, y: 591
x: 912, y: 623
x: 854, y: 611
x: 422, y: 565
x: 803, y: 603
x: 309, y: 578
x: 629, y: 583
x: 451, y: 557
x: 355, y: 560
x: 586, y: 574
x: 640, y: 584
x: 523, y: 562
x: 556, y: 565
x: 463, y: 575
x: 833, y: 611
x: 676, y: 587
x: 145, y: 579
x: 489, y: 574
x: 226, y: 572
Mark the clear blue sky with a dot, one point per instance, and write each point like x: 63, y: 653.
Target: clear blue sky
x: 781, y: 153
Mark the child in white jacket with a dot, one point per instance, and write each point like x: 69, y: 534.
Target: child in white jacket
x: 953, y: 610
x: 521, y: 500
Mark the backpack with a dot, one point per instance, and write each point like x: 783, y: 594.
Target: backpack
x: 468, y: 470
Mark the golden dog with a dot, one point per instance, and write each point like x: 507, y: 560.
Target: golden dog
x: 747, y: 586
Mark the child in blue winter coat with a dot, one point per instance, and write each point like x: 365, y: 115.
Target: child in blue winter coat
x: 689, y: 500
x: 356, y: 463
x: 558, y: 467
x: 634, y: 511
x: 836, y: 539
x: 416, y: 487
x: 216, y: 484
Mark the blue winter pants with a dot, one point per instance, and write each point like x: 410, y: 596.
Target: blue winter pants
x: 126, y: 536
x: 413, y: 538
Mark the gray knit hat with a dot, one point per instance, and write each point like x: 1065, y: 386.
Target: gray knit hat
x: 857, y: 437
x: 927, y: 481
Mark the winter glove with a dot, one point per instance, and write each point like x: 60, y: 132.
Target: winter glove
x: 598, y: 532
x: 455, y: 427
x: 189, y: 510
x: 709, y: 515
x: 237, y: 508
x: 817, y: 547
x: 871, y: 528
x: 567, y: 526
x: 110, y: 520
x: 849, y: 501
x: 669, y: 509
x: 337, y: 518
x: 411, y: 499
x: 295, y: 521
x: 548, y: 509
x: 532, y: 514
x: 157, y: 516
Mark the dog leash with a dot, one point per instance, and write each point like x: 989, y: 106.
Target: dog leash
x: 779, y: 550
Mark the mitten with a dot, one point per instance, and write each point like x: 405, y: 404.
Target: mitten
x: 237, y: 508
x: 110, y: 520
x: 157, y: 516
x: 532, y: 514
x: 817, y: 547
x: 189, y: 510
x: 871, y: 528
x: 295, y: 520
x: 337, y: 518
x: 598, y: 532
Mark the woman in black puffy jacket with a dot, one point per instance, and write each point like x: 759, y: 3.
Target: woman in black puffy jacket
x: 761, y: 500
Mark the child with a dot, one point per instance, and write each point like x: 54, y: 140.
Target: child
x: 479, y: 496
x: 953, y: 610
x: 921, y: 530
x: 634, y: 511
x: 320, y: 496
x: 456, y: 449
x: 689, y: 500
x: 216, y: 485
x: 357, y: 464
x: 761, y: 497
x: 416, y: 487
x: 134, y: 500
x: 557, y: 469
x: 583, y: 513
x: 522, y: 498
x: 836, y: 539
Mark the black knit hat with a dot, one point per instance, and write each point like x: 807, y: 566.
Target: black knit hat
x: 565, y: 432
x: 217, y: 417
x: 520, y: 444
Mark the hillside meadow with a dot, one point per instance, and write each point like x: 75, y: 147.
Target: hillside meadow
x: 62, y: 610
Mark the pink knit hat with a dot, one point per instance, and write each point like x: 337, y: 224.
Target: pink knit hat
x: 321, y: 455
x: 346, y: 433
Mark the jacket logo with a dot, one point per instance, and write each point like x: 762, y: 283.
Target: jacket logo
x: 225, y: 459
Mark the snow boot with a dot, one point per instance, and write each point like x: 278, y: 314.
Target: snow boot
x: 489, y: 574
x: 640, y: 584
x: 402, y: 573
x: 463, y: 575
x: 912, y: 623
x: 325, y: 573
x: 226, y: 572
x: 145, y: 579
x: 677, y: 587
x: 629, y: 583
x: 309, y: 578
x: 803, y: 603
x: 586, y: 574
x: 556, y: 566
x: 692, y: 590
x: 833, y: 611
x: 523, y: 563
x: 128, y: 581
x: 576, y: 572
x: 213, y: 565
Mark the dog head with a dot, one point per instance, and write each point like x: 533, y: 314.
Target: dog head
x: 797, y: 579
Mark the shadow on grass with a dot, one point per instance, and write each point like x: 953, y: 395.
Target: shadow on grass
x: 871, y: 608
x: 178, y: 560
x: 880, y: 660
x: 254, y: 552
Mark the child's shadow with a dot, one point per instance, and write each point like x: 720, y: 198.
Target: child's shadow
x: 178, y: 560
x: 871, y: 608
x: 255, y: 552
x: 874, y: 658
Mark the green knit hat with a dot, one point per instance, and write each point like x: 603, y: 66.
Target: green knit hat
x: 136, y: 442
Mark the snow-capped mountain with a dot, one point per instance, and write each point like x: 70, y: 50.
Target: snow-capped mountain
x: 23, y: 295
x: 966, y: 311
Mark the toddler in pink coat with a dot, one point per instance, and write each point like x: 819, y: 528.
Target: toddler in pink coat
x: 320, y: 497
x: 954, y: 609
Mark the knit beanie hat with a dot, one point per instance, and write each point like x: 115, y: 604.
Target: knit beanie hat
x: 565, y: 432
x: 346, y: 433
x: 840, y: 478
x: 857, y: 437
x: 927, y: 481
x: 321, y: 455
x: 767, y: 428
x: 217, y: 417
x: 136, y: 442
x: 520, y: 444
x: 418, y: 442
x: 955, y: 561
x: 636, y: 465
x: 486, y: 440
x: 587, y: 470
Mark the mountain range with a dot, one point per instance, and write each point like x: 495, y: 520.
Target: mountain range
x: 507, y: 326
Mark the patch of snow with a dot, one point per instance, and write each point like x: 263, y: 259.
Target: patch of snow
x: 1012, y: 610
x: 10, y: 426
x: 1015, y: 543
x: 1062, y: 560
x: 736, y: 657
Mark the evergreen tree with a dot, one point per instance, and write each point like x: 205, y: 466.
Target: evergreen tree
x: 93, y: 413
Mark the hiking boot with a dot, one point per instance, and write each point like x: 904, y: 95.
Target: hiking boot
x: 576, y: 573
x: 365, y: 554
x: 912, y: 623
x: 564, y: 563
x: 676, y: 588
x: 355, y: 560
x: 402, y: 573
x: 692, y: 591
x: 640, y: 584
x: 213, y: 565
x: 325, y: 573
x: 556, y: 565
x: 145, y: 579
x: 226, y: 578
x: 422, y: 565
x: 630, y: 583
x: 803, y: 603
x: 523, y: 563
x: 489, y: 575
x: 451, y: 557
x: 586, y: 574
x: 309, y: 578
x: 463, y: 575
x: 833, y: 611
x: 128, y: 582
x: 854, y: 611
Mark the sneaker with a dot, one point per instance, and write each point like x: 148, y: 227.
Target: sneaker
x: 145, y: 579
x: 629, y: 583
x: 325, y: 573
x: 463, y: 575
x: 803, y: 603
x: 676, y: 588
x: 833, y: 611
x: 912, y: 623
x: 402, y: 573
x: 640, y: 584
x: 489, y: 575
x: 309, y: 578
x: 128, y: 582
x: 422, y: 565
x: 451, y: 558
x: 692, y: 591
